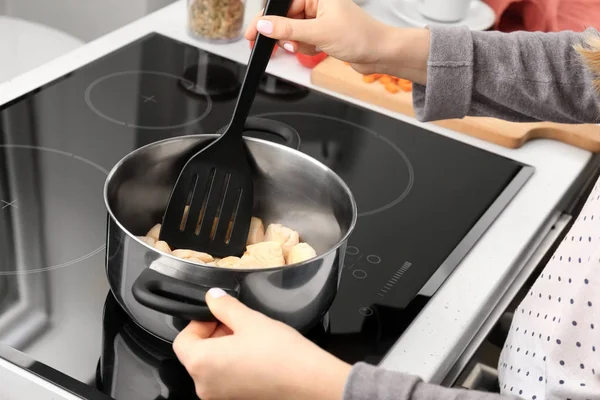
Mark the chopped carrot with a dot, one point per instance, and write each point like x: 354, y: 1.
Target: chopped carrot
x: 405, y: 85
x: 386, y: 79
x: 392, y: 87
x: 391, y: 83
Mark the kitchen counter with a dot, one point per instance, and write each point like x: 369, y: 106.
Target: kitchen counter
x: 440, y: 334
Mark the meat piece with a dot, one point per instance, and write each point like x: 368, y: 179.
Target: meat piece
x: 154, y: 232
x: 196, y: 260
x: 256, y: 234
x: 162, y: 246
x: 285, y: 236
x: 248, y: 261
x: 215, y: 225
x: 213, y: 229
x: 187, y: 254
x: 277, y: 233
x: 293, y: 240
x: 299, y: 253
x: 268, y: 254
x: 229, y: 262
x: 184, y: 221
x: 148, y: 240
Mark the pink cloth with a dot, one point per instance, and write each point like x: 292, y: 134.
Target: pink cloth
x: 545, y: 15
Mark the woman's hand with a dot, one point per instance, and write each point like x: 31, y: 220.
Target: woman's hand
x: 343, y: 30
x: 250, y: 356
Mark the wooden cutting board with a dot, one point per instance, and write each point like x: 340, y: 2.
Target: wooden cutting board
x: 334, y: 75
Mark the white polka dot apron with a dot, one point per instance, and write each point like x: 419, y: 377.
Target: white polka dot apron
x: 553, y: 348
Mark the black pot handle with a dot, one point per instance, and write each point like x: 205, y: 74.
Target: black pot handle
x: 291, y: 137
x: 173, y: 296
x: 272, y: 127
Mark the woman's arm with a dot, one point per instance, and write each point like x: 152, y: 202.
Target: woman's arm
x: 519, y: 76
x: 367, y: 382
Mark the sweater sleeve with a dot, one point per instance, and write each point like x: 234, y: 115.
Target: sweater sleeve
x: 519, y: 76
x: 367, y: 382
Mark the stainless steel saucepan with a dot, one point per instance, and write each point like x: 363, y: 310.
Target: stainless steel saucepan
x: 162, y: 293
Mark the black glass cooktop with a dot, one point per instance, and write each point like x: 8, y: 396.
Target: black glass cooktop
x: 423, y: 201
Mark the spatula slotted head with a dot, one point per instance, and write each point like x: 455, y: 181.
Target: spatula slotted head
x: 210, y: 208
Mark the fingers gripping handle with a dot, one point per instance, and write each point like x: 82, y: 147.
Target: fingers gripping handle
x: 173, y: 296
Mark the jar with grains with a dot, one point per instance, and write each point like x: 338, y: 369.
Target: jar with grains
x: 216, y: 20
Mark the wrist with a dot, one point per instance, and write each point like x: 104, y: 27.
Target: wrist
x: 322, y: 378
x: 331, y: 381
x: 333, y: 386
x: 404, y: 53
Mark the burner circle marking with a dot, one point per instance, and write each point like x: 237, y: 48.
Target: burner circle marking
x: 373, y: 259
x: 359, y: 274
x: 81, y: 258
x: 178, y: 80
x: 411, y: 173
x: 352, y: 250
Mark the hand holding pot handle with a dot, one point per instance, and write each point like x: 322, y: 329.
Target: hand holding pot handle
x: 251, y: 356
x: 172, y: 296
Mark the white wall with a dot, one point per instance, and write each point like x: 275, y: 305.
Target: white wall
x: 84, y: 19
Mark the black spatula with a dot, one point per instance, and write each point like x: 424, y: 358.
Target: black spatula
x: 210, y: 207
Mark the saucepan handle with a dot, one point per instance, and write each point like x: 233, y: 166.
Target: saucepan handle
x: 291, y: 137
x: 173, y: 296
x: 272, y: 127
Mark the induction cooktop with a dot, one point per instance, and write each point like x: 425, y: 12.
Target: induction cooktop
x: 423, y: 201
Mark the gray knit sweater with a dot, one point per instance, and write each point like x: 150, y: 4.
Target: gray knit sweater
x: 521, y: 76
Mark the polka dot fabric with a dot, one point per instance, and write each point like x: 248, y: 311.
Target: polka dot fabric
x: 553, y: 347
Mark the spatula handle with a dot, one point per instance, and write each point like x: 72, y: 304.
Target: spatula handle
x: 259, y: 58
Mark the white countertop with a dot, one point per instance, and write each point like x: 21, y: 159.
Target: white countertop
x: 436, y: 338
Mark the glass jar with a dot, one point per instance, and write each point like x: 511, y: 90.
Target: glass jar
x: 216, y: 20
